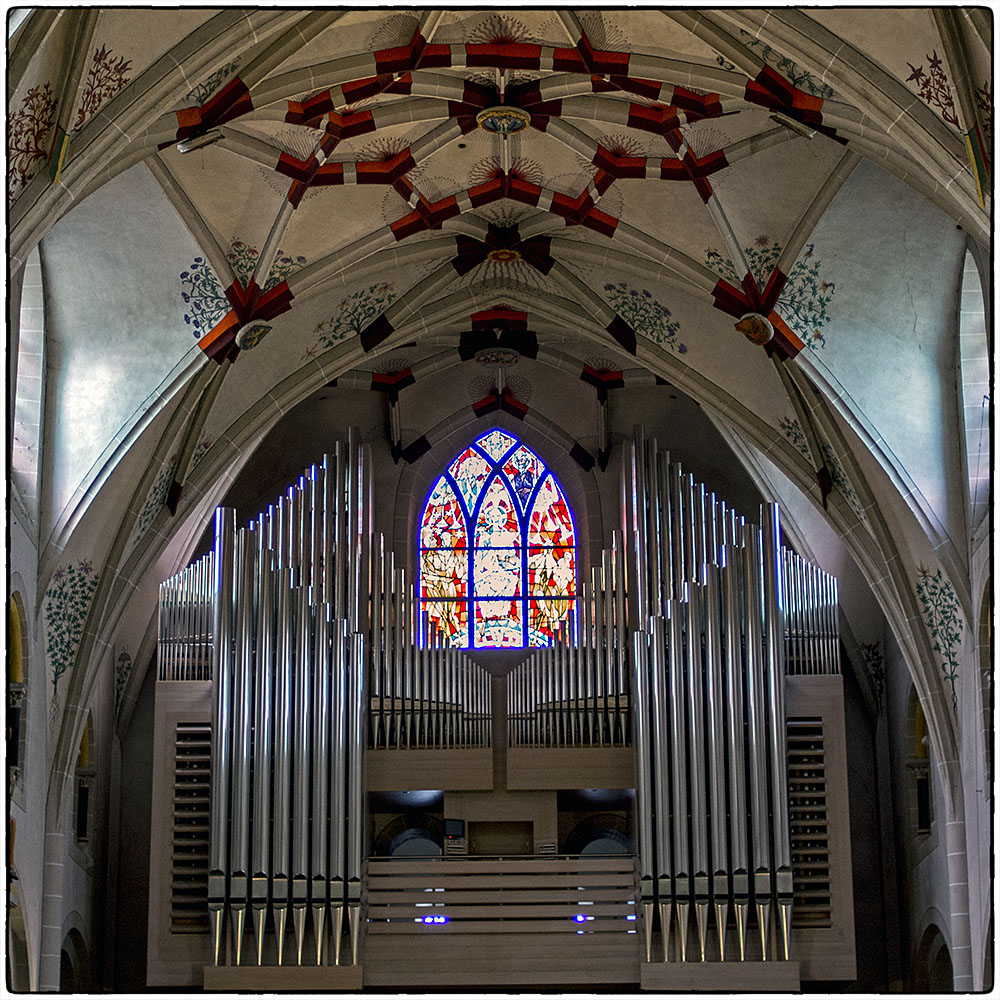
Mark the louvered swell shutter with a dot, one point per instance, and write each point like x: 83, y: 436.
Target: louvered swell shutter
x: 807, y: 802
x: 189, y: 866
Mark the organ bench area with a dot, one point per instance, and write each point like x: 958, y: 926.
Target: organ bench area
x: 657, y: 800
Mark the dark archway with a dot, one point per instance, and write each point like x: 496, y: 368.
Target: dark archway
x: 932, y: 969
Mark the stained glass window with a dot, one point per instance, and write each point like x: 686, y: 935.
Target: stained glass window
x: 497, y: 549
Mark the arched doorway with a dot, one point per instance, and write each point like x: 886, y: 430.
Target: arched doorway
x: 932, y: 970
x: 74, y: 971
x: 17, y: 945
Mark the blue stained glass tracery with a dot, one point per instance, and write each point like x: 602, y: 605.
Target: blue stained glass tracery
x: 497, y: 551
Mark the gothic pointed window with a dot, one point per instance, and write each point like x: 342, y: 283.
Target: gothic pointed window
x: 497, y: 549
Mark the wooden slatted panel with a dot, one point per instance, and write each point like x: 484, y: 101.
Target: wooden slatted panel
x: 526, y: 920
x: 189, y: 868
x: 807, y: 802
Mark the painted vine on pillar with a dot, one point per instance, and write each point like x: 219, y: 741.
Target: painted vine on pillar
x: 933, y: 87
x: 123, y: 669
x: 943, y: 615
x: 793, y: 432
x: 202, y: 291
x: 646, y: 315
x: 200, y: 451
x: 106, y: 76
x: 67, y: 602
x: 155, y: 499
x: 804, y: 300
x: 984, y: 102
x: 871, y: 653
x: 200, y: 94
x: 27, y: 130
x: 354, y: 313
x: 782, y: 64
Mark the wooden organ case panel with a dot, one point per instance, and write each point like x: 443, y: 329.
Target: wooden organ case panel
x: 823, y: 913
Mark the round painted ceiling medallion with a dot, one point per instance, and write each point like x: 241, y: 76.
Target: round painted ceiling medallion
x: 502, y: 120
x: 504, y: 256
x: 756, y: 328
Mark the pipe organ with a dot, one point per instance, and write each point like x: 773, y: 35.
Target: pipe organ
x: 305, y: 637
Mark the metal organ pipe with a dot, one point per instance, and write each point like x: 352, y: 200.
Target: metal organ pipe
x: 775, y: 671
x: 222, y: 630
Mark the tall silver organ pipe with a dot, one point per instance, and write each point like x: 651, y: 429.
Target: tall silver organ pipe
x: 722, y: 612
x: 222, y: 632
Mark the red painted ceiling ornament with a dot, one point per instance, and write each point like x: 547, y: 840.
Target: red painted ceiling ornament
x: 505, y: 256
x: 249, y: 305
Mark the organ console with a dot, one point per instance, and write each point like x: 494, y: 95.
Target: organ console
x: 307, y: 635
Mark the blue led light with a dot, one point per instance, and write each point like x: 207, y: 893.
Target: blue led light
x: 579, y: 918
x: 437, y: 919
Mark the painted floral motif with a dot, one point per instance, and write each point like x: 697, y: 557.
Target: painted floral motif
x: 871, y: 653
x: 106, y: 76
x: 804, y: 300
x: 156, y: 497
x: 206, y: 89
x: 200, y: 451
x: 646, y: 315
x: 355, y: 312
x: 244, y: 260
x: 27, y: 129
x: 944, y: 621
x: 203, y: 292
x: 123, y: 668
x: 792, y: 430
x: 933, y: 88
x: 205, y: 296
x: 984, y: 102
x: 782, y: 64
x: 67, y: 602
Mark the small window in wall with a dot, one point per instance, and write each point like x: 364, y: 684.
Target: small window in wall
x: 918, y: 765
x: 82, y: 812
x: 16, y: 691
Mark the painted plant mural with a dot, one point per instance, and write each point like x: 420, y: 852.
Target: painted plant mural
x: 204, y: 295
x: 355, y: 312
x: 933, y: 87
x: 792, y: 430
x: 66, y: 604
x: 27, y: 131
x: 106, y: 76
x: 646, y: 315
x: 790, y: 70
x: 200, y: 94
x: 155, y: 499
x: 805, y: 299
x: 123, y: 668
x: 944, y: 621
